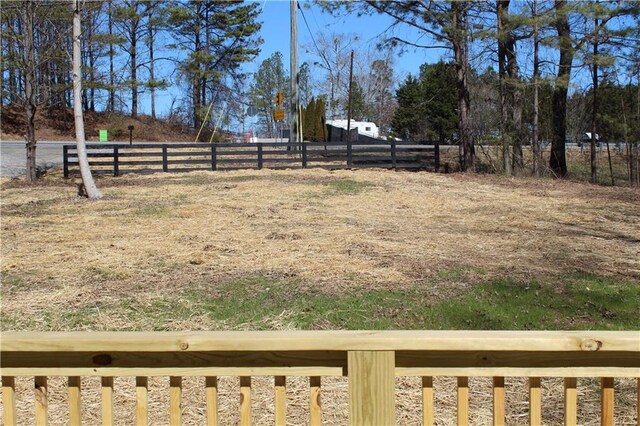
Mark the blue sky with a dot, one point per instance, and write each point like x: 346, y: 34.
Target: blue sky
x: 276, y: 34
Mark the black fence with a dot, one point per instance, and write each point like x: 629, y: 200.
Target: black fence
x: 149, y: 158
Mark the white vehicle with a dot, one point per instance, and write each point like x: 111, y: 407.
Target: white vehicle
x: 364, y: 127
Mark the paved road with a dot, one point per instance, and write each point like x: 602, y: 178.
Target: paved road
x: 13, y: 156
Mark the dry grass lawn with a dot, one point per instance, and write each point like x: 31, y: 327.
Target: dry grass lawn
x: 123, y: 262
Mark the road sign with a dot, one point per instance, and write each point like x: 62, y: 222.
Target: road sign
x: 278, y: 114
x: 278, y: 98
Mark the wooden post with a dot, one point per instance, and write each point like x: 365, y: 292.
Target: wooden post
x: 570, y: 402
x: 498, y: 401
x: 175, y: 400
x: 393, y: 154
x: 142, y: 415
x: 371, y: 387
x: 116, y: 167
x: 9, y: 400
x: 463, y: 401
x: 281, y: 400
x: 315, y: 406
x: 165, y: 160
x: 607, y: 401
x: 107, y: 400
x: 437, y: 155
x: 214, y: 157
x: 211, y: 384
x: 535, y: 401
x: 427, y: 401
x: 41, y: 400
x: 65, y: 160
x: 349, y: 154
x: 245, y: 401
x: 304, y: 155
x: 75, y: 408
x: 259, y: 156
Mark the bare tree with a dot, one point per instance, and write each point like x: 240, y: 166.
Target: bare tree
x: 90, y: 187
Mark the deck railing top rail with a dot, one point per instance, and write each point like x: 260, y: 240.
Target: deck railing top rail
x: 582, y: 341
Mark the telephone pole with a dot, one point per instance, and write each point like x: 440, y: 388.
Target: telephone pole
x: 293, y: 105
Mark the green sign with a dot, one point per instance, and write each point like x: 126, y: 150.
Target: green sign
x: 103, y: 136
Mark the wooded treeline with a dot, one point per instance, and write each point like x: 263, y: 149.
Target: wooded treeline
x: 516, y: 68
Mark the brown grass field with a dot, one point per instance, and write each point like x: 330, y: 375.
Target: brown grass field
x: 135, y: 259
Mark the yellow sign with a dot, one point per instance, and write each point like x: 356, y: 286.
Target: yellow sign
x: 278, y: 114
x: 278, y: 98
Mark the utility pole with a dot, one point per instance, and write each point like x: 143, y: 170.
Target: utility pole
x: 293, y: 107
x: 349, y: 100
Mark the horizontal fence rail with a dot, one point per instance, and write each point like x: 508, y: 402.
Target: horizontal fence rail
x: 147, y: 158
x: 370, y: 360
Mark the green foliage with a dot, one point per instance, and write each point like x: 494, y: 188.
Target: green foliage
x: 348, y: 186
x: 427, y: 104
x: 270, y: 79
x: 360, y: 109
x: 313, y: 118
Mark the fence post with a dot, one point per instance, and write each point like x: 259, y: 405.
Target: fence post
x: 371, y: 387
x: 214, y: 158
x: 349, y: 154
x: 393, y: 154
x: 437, y: 153
x: 65, y: 160
x: 304, y: 155
x: 259, y: 156
x: 165, y: 160
x: 116, y: 167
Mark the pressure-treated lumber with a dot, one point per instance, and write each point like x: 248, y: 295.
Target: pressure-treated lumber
x: 41, y: 396
x: 607, y: 401
x: 587, y: 341
x: 280, y: 389
x: 463, y: 401
x: 9, y: 400
x: 428, y: 417
x: 371, y: 388
x: 211, y: 391
x: 142, y: 390
x: 535, y: 401
x: 498, y: 401
x: 75, y: 408
x: 175, y: 400
x: 106, y: 398
x: 245, y: 401
x: 315, y: 406
x: 570, y: 402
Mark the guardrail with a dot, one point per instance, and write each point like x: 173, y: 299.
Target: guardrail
x: 139, y: 158
x: 371, y: 360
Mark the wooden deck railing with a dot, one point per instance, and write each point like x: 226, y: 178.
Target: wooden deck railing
x: 371, y: 361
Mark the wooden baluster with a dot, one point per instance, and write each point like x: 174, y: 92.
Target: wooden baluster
x: 142, y: 391
x: 75, y: 408
x: 281, y: 399
x: 607, y: 401
x: 9, y: 400
x: 245, y: 401
x: 371, y: 387
x: 175, y: 400
x: 535, y: 401
x: 211, y: 385
x: 41, y: 400
x: 498, y: 401
x: 315, y: 407
x: 106, y: 396
x: 463, y: 401
x: 638, y: 401
x: 427, y: 401
x: 570, y: 401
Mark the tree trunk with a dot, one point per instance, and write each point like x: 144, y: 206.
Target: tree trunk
x: 535, y: 142
x: 594, y: 112
x: 90, y: 187
x: 558, y: 161
x: 134, y: 70
x: 461, y: 55
x: 30, y: 90
x: 502, y: 10
x: 112, y: 83
x: 151, y: 61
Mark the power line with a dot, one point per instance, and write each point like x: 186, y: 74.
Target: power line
x: 312, y: 38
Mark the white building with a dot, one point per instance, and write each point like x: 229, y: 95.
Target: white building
x: 364, y: 127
